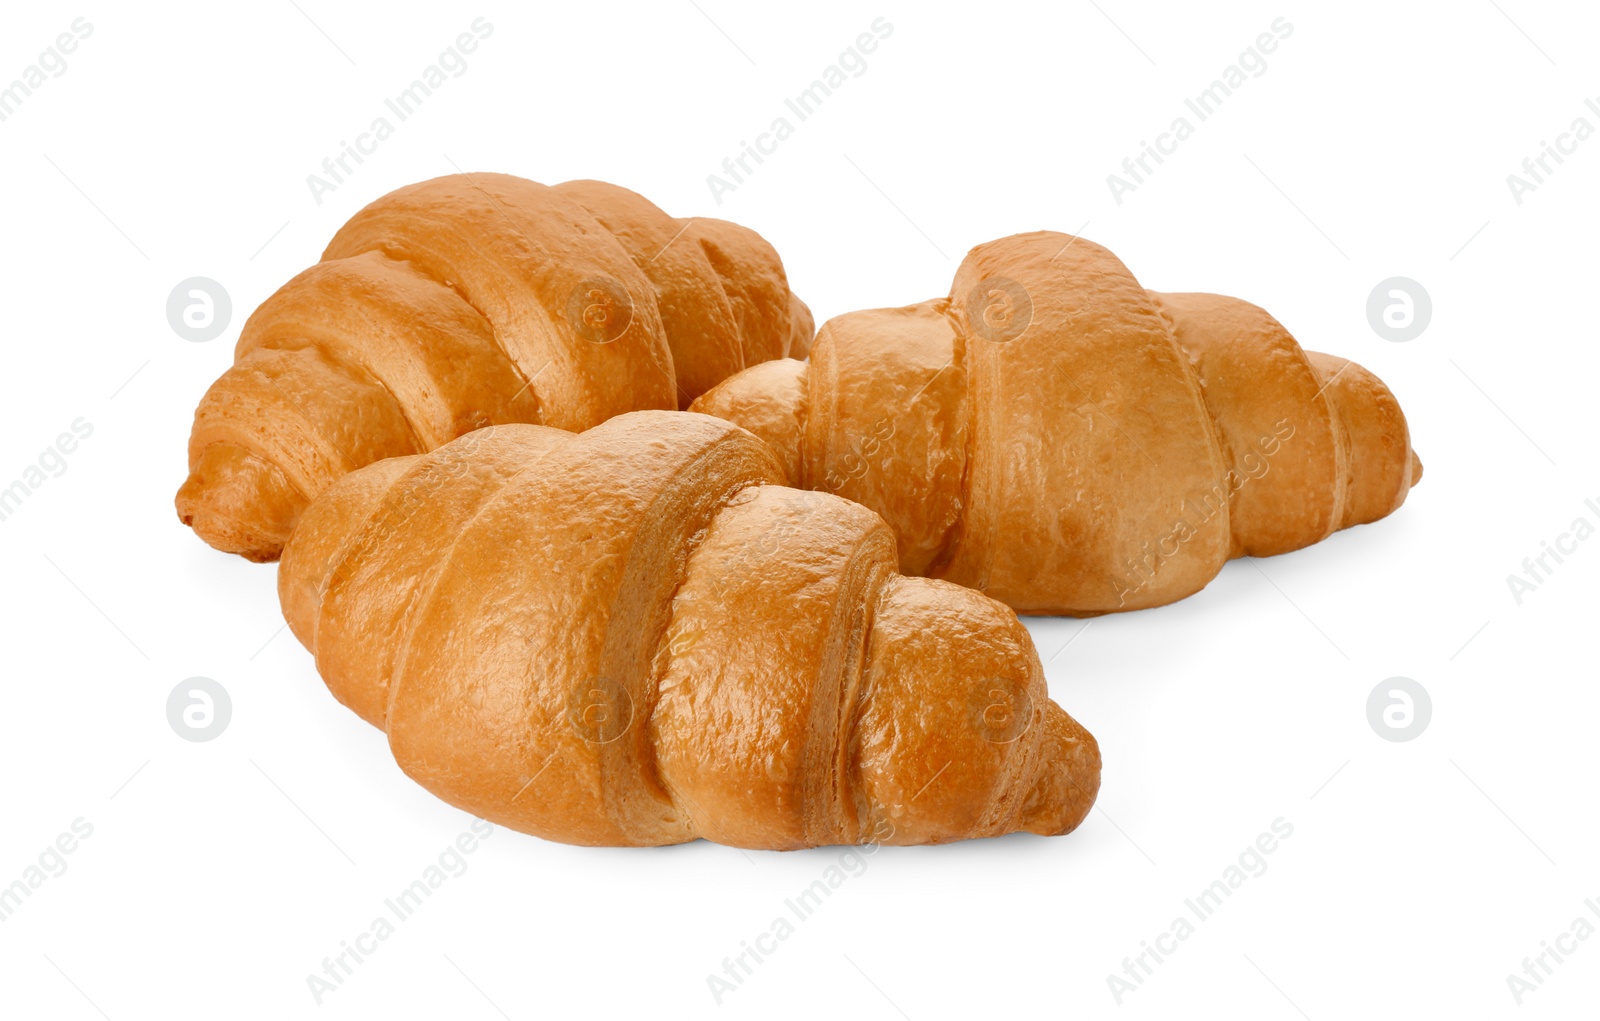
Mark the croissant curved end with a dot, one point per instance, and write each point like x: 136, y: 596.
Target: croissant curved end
x: 1068, y: 781
x: 239, y: 503
x: 768, y: 399
x: 1384, y: 467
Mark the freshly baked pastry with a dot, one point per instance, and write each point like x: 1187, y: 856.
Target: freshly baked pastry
x: 634, y: 636
x: 1065, y: 441
x: 466, y: 301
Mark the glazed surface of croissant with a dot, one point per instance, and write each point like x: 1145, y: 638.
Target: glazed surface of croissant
x: 634, y: 636
x: 1067, y: 442
x: 467, y: 301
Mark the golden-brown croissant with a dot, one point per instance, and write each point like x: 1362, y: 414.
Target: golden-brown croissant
x: 1065, y: 441
x: 634, y: 636
x: 467, y: 301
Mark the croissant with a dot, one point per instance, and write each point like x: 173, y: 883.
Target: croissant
x: 466, y: 301
x: 635, y: 636
x: 1067, y: 442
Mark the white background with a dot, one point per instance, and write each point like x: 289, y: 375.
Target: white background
x: 1377, y: 143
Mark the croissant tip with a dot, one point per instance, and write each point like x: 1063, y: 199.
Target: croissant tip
x: 237, y: 503
x: 1069, y: 781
